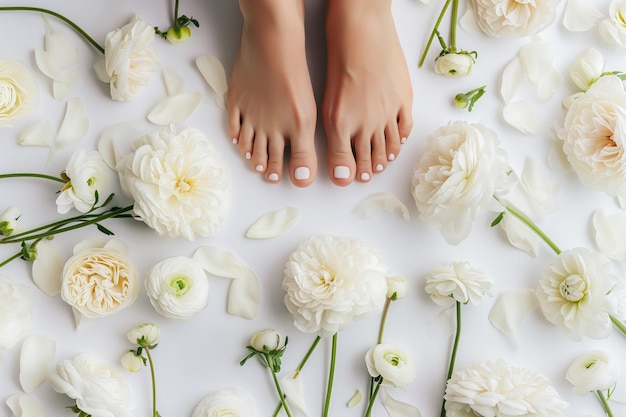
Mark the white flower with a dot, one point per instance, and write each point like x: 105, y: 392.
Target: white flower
x: 577, y: 294
x: 458, y: 281
x: 99, y: 390
x: 587, y: 69
x: 145, y: 334
x: 392, y: 363
x: 87, y: 175
x: 8, y: 220
x: 330, y: 281
x: 454, y: 64
x: 129, y: 61
x: 593, y: 371
x: 613, y: 29
x: 226, y: 403
x: 16, y: 311
x: 269, y: 339
x: 459, y: 172
x: 514, y: 17
x: 178, y: 287
x: 18, y: 90
x: 397, y: 287
x: 99, y: 279
x: 179, y: 182
x: 132, y: 362
x: 593, y: 136
x: 496, y: 389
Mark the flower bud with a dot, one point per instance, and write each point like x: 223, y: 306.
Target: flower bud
x: 587, y: 69
x: 266, y: 340
x: 132, y: 362
x: 597, y: 370
x: 144, y: 335
x: 178, y: 34
x: 397, y: 287
x: 8, y: 220
x: 454, y: 64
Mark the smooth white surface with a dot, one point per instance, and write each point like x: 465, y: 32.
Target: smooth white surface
x: 202, y: 355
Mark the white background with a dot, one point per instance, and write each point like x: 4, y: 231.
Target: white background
x: 201, y: 355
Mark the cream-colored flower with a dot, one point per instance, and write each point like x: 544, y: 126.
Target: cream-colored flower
x: 577, y: 294
x: 18, y: 90
x: 129, y: 60
x: 179, y: 182
x: 613, y: 29
x: 587, y: 69
x: 145, y: 334
x: 88, y: 174
x: 392, y: 363
x: 454, y: 64
x: 331, y: 281
x: 497, y: 389
x: 99, y: 279
x: 267, y: 339
x: 593, y: 371
x: 16, y: 311
x: 594, y: 133
x: 514, y: 17
x: 178, y: 287
x: 226, y: 403
x: 131, y: 362
x: 99, y: 390
x: 458, y: 281
x: 460, y: 171
x: 397, y: 287
x: 8, y: 220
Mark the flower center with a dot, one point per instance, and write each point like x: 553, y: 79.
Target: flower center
x: 573, y: 288
x: 393, y: 359
x: 179, y: 285
x: 184, y: 185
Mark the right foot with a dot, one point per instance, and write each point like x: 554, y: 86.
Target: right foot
x: 270, y: 98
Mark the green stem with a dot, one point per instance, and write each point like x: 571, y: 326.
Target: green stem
x: 331, y: 376
x: 32, y: 175
x: 532, y: 226
x: 455, y: 348
x: 453, y: 25
x: 434, y: 32
x: 58, y: 16
x: 154, y: 394
x: 618, y: 325
x: 9, y: 259
x: 176, y: 13
x: 605, y: 403
x: 306, y: 356
x: 280, y: 393
x: 368, y: 412
x: 383, y: 319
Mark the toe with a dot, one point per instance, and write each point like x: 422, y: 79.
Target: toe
x: 246, y: 140
x: 392, y: 141
x: 276, y: 150
x: 258, y: 159
x: 234, y: 123
x: 379, y: 153
x: 302, y: 161
x: 341, y: 163
x: 405, y: 123
x: 363, y: 150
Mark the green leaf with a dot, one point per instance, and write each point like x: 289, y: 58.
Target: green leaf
x: 104, y: 230
x: 497, y: 220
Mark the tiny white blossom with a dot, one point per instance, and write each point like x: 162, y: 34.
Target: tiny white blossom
x: 454, y: 64
x: 597, y: 370
x: 267, y: 339
x: 397, y: 287
x: 458, y: 282
x: 143, y: 335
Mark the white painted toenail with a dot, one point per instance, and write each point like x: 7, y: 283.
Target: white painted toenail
x: 248, y: 155
x: 301, y: 173
x: 235, y: 141
x: 379, y: 167
x: 259, y: 168
x: 391, y: 157
x: 365, y: 176
x: 341, y: 172
x: 403, y: 140
x: 273, y: 176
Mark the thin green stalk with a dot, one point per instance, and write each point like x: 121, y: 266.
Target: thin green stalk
x: 368, y: 412
x: 154, y: 393
x: 307, y: 356
x: 455, y: 348
x: 434, y: 32
x: 32, y: 175
x: 280, y: 392
x: 532, y: 226
x: 331, y: 376
x: 618, y: 325
x: 383, y: 319
x: 176, y: 13
x: 10, y: 259
x: 453, y: 25
x: 58, y: 16
x: 605, y: 403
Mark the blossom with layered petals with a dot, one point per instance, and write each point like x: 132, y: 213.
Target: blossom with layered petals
x: 144, y: 335
x: 87, y: 175
x: 587, y: 69
x: 514, y: 17
x: 454, y: 64
x: 18, y: 90
x: 613, y: 29
x: 226, y: 402
x: 16, y: 311
x: 458, y: 282
x: 593, y: 371
x: 392, y: 363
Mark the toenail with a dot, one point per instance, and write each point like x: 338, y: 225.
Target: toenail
x: 391, y: 157
x: 259, y: 168
x: 341, y: 172
x: 379, y: 167
x: 248, y: 155
x: 301, y: 173
x: 365, y: 176
x: 234, y: 141
x: 273, y: 176
x: 403, y: 140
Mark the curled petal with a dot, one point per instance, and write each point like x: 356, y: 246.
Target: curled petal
x: 522, y: 115
x: 54, y: 60
x: 292, y: 388
x: 609, y: 234
x: 37, y: 354
x: 397, y: 408
x: 75, y: 124
x: 24, y: 405
x: 40, y: 134
x: 512, y: 78
x: 48, y: 268
x: 274, y: 223
x: 174, y: 109
x: 379, y: 202
x: 174, y: 83
x: 356, y: 399
x: 213, y: 72
x: 580, y: 16
x: 511, y: 309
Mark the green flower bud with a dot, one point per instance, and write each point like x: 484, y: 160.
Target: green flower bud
x: 178, y: 34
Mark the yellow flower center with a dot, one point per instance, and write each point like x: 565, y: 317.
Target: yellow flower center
x: 393, y: 359
x: 179, y: 285
x: 573, y: 288
x: 184, y: 185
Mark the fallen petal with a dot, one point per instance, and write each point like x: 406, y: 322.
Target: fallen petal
x: 511, y: 309
x: 537, y: 61
x: 39, y: 134
x: 48, y: 268
x: 243, y: 296
x: 220, y: 262
x: 468, y: 20
x: 356, y: 399
x: 213, y: 72
x: 522, y: 115
x: 512, y: 78
x: 609, y: 235
x: 580, y: 17
x: 292, y: 388
x: 23, y: 405
x: 381, y: 202
x: 75, y: 124
x: 38, y: 352
x: 174, y: 109
x: 274, y: 223
x: 397, y: 408
x: 174, y: 83
x: 520, y: 236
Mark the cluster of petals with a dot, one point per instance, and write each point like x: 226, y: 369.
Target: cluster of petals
x: 18, y: 90
x: 515, y: 18
x: 458, y: 282
x: 226, y: 402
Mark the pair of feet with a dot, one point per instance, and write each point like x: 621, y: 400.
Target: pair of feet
x: 367, y: 101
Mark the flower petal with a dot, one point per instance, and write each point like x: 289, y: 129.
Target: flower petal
x: 292, y: 388
x: 468, y: 20
x: 356, y: 399
x: 522, y: 115
x: 213, y: 72
x: 174, y: 83
x: 379, y: 202
x: 512, y: 78
x: 511, y: 308
x: 520, y: 236
x: 537, y: 60
x: 174, y: 109
x: 39, y: 134
x: 609, y: 234
x: 274, y: 223
x: 397, y: 408
x: 38, y: 352
x: 75, y: 124
x: 23, y: 405
x: 48, y: 268
x: 580, y: 17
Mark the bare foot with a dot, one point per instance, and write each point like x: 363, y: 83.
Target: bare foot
x: 368, y: 96
x: 270, y: 99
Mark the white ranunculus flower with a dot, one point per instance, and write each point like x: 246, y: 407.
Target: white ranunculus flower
x: 16, y: 311
x: 460, y: 171
x: 497, y: 389
x: 577, y: 293
x: 458, y: 281
x: 593, y: 371
x: 99, y: 390
x: 331, y: 281
x: 397, y: 287
x: 392, y: 363
x: 587, y: 69
x: 99, y: 279
x: 8, y: 220
x: 18, y: 90
x: 226, y: 403
x: 613, y: 29
x: 454, y: 64
x: 514, y: 17
x: 145, y: 334
x: 269, y: 339
x: 178, y: 287
x: 179, y: 182
x: 87, y: 175
x: 594, y: 133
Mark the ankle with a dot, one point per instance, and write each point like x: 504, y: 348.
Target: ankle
x: 270, y: 10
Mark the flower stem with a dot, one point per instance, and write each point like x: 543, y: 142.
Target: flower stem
x: 370, y: 404
x: 434, y: 32
x: 58, y: 16
x: 176, y: 13
x: 32, y: 175
x: 306, y: 356
x: 383, y: 319
x: 9, y: 259
x: 605, y: 403
x: 280, y: 392
x: 453, y: 25
x: 532, y: 226
x: 154, y: 394
x: 618, y: 325
x: 455, y: 347
x: 331, y: 376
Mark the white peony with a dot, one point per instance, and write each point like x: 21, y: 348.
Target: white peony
x: 577, y: 293
x: 99, y: 390
x: 179, y: 182
x: 331, y: 281
x: 392, y: 363
x: 87, y: 174
x: 226, y: 403
x: 514, y: 17
x: 178, y: 287
x: 16, y: 311
x: 454, y: 64
x: 593, y: 371
x: 458, y: 281
x: 587, y: 69
x: 18, y: 90
x: 594, y: 133
x: 99, y: 279
x: 460, y: 171
x: 613, y: 29
x: 499, y: 390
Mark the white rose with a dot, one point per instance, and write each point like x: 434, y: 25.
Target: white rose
x: 87, y: 174
x: 99, y: 279
x: 269, y: 339
x: 179, y: 182
x: 587, y: 69
x: 514, y: 17
x: 129, y: 61
x: 131, y: 362
x: 18, y: 90
x: 613, y: 29
x: 226, y: 403
x: 178, y: 287
x: 593, y: 371
x: 145, y: 334
x: 392, y: 363
x: 460, y: 171
x: 454, y: 64
x: 330, y: 281
x: 397, y: 287
x: 458, y: 281
x: 16, y: 311
x: 8, y: 220
x: 99, y: 390
x: 593, y: 136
